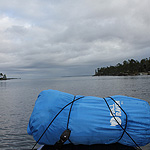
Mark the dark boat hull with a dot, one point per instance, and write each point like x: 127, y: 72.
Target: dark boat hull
x: 115, y: 146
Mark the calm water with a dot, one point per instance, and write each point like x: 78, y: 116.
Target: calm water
x: 17, y: 98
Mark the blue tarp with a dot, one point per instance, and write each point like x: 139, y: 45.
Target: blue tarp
x: 90, y: 119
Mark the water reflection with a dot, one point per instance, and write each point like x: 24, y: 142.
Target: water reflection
x: 3, y: 84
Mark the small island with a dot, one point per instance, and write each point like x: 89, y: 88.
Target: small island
x: 129, y: 67
x: 4, y: 77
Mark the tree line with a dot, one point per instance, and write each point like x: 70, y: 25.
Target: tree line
x: 3, y: 76
x: 128, y: 67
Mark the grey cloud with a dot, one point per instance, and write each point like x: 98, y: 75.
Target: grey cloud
x: 71, y: 37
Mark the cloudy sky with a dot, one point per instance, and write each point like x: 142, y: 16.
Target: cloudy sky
x: 66, y: 37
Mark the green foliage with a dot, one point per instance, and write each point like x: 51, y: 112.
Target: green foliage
x: 128, y: 67
x: 3, y: 76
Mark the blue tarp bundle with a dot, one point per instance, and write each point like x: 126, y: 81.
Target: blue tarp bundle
x: 90, y: 121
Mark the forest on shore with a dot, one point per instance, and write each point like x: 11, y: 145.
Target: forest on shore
x: 128, y: 67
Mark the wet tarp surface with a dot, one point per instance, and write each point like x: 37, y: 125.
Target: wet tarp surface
x: 90, y: 121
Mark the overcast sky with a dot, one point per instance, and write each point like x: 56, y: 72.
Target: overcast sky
x: 66, y: 37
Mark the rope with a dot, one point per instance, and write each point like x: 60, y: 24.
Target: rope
x: 120, y: 124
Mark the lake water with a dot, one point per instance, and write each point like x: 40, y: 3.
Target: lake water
x: 17, y: 98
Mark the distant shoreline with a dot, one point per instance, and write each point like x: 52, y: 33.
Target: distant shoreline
x: 125, y: 74
x: 127, y: 68
x: 9, y: 78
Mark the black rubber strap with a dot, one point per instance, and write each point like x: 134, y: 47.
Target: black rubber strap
x: 120, y: 124
x: 126, y: 118
x: 70, y: 114
x: 70, y: 111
